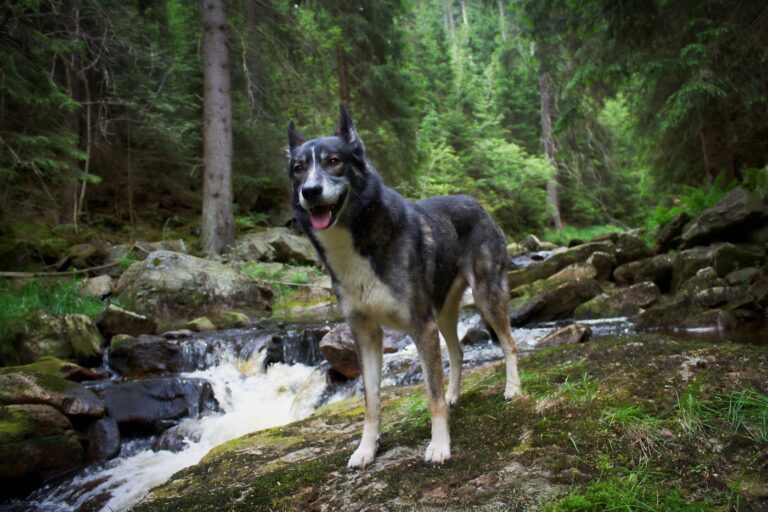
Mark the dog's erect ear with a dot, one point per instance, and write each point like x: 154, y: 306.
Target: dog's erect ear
x: 346, y: 129
x: 295, y: 139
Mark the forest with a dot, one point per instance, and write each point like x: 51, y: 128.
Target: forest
x: 553, y: 113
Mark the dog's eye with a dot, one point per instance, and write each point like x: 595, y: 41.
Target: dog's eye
x: 297, y: 168
x: 333, y: 161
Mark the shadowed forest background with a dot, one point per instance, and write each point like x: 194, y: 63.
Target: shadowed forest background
x: 585, y: 113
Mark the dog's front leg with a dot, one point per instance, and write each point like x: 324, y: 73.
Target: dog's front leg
x: 368, y: 337
x: 428, y: 346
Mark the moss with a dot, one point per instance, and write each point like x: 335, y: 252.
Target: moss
x: 15, y: 424
x: 46, y: 365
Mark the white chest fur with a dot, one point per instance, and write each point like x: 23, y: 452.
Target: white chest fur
x: 360, y: 289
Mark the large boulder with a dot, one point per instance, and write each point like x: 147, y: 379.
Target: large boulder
x: 116, y: 320
x: 657, y: 269
x: 74, y: 337
x: 568, y: 335
x: 732, y: 218
x: 37, y: 444
x: 103, y: 436
x: 622, y: 302
x: 276, y: 244
x: 49, y: 365
x: 669, y: 236
x: 722, y: 257
x: 553, y: 301
x: 146, y: 356
x: 68, y: 397
x: 556, y: 262
x: 153, y: 405
x: 172, y: 287
x: 631, y: 248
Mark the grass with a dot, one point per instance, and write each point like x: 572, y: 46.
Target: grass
x: 637, y: 425
x: 569, y: 233
x: 18, y: 301
x: 742, y: 413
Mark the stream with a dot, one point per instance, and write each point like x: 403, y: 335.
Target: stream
x: 252, y: 396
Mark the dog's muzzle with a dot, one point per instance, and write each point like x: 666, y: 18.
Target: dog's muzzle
x: 323, y: 210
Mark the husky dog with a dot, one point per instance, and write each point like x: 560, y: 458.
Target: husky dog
x: 399, y: 264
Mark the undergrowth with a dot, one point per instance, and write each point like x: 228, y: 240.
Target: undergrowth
x: 569, y: 233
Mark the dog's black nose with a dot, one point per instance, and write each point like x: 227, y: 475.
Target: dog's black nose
x: 312, y: 192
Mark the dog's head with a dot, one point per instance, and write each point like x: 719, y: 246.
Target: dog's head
x: 321, y: 172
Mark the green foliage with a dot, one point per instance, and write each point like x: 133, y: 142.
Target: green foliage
x: 692, y: 200
x: 569, y: 233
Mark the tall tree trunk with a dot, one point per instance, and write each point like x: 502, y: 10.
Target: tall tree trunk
x: 69, y: 73
x: 251, y: 61
x: 218, y: 230
x: 464, y: 15
x: 342, y: 73
x: 450, y: 26
x: 502, y: 17
x: 548, y: 141
x: 715, y: 133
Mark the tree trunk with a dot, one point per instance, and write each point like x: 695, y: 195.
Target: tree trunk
x: 502, y: 28
x: 218, y: 223
x: 251, y: 61
x: 548, y: 141
x: 464, y: 15
x: 342, y: 74
x: 716, y: 144
x: 70, y: 65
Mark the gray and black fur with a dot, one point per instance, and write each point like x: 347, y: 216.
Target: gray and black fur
x: 399, y: 264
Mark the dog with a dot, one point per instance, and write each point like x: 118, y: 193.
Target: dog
x: 399, y: 264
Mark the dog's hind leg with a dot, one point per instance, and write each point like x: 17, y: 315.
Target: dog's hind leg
x: 368, y: 337
x: 490, y: 292
x: 447, y: 320
x: 428, y: 346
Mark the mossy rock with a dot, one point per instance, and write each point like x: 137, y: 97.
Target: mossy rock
x: 597, y: 416
x: 49, y: 365
x: 201, y: 324
x: 72, y: 337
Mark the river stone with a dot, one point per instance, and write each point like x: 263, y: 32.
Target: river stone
x: 556, y: 262
x: 157, y: 403
x: 555, y: 302
x: 116, y: 320
x: 704, y: 278
x: 99, y: 286
x: 201, y: 324
x: 37, y: 443
x: 339, y: 349
x: 688, y: 262
x: 743, y: 277
x: 69, y: 397
x: 731, y: 218
x: 65, y: 337
x: 658, y: 269
x: 669, y: 236
x: 727, y: 257
x: 103, y: 440
x: 570, y: 334
x: 603, y: 263
x: 172, y: 287
x: 575, y: 272
x: 49, y: 365
x: 622, y: 302
x: 146, y: 356
x: 631, y: 248
x: 276, y: 244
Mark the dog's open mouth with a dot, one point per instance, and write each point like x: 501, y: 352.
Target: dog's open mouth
x: 323, y: 216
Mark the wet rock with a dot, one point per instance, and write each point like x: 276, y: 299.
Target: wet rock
x: 321, y: 385
x: 575, y: 272
x: 74, y: 337
x: 116, y: 320
x: 669, y: 236
x: 37, y: 443
x: 476, y: 335
x: 736, y: 214
x: 658, y: 269
x: 99, y: 286
x: 176, y: 438
x: 277, y: 244
x: 49, y: 365
x: 152, y: 405
x: 302, y: 346
x: 146, y: 356
x: 103, y: 440
x: 622, y: 302
x: 339, y: 349
x: 631, y: 248
x: 201, y: 324
x: 704, y: 278
x: 513, y: 249
x: 232, y: 320
x: 603, y: 263
x: 570, y: 334
x: 171, y: 286
x: 555, y: 302
x: 556, y: 262
x: 68, y: 397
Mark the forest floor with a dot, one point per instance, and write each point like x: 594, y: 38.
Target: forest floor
x: 633, y: 423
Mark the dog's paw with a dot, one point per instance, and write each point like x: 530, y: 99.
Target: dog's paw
x: 437, y: 453
x: 512, y: 391
x: 451, y: 398
x: 362, y: 457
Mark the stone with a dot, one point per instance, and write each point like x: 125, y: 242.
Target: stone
x: 556, y: 262
x: 232, y: 320
x: 669, y: 236
x: 103, y: 437
x: 276, y: 244
x: 84, y: 256
x: 623, y: 302
x: 173, y: 287
x: 65, y: 337
x: 49, y: 365
x: 146, y: 356
x: 603, y: 263
x: 514, y: 248
x: 116, y: 320
x: 554, y: 302
x: 475, y: 336
x: 152, y: 405
x: 568, y: 335
x: 730, y: 219
x: 99, y: 286
x: 37, y: 444
x: 704, y: 278
x: 532, y: 243
x: 688, y: 263
x: 743, y: 277
x: 727, y: 257
x: 574, y: 273
x: 658, y: 269
x: 201, y: 324
x: 339, y: 349
x: 68, y: 397
x: 631, y: 248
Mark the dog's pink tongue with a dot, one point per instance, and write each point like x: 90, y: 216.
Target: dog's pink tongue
x: 321, y: 217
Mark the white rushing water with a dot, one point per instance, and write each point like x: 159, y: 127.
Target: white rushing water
x: 250, y: 399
